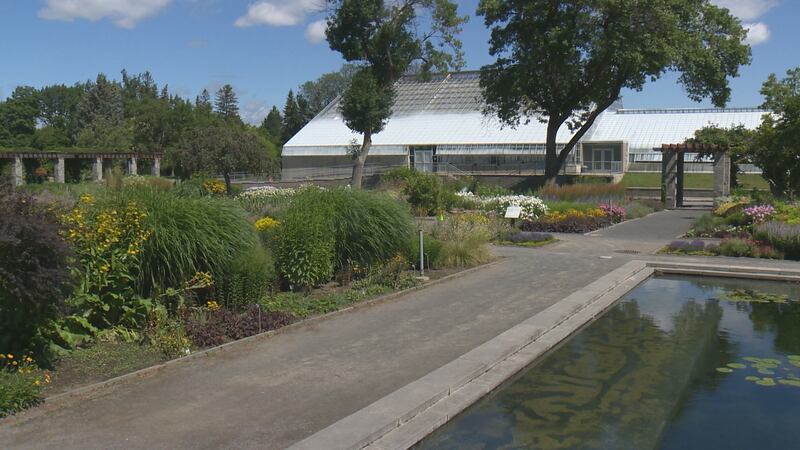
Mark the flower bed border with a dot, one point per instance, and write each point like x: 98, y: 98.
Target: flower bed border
x: 91, y: 391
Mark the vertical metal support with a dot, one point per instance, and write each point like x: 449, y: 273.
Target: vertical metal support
x: 157, y: 167
x: 97, y: 172
x: 132, y: 167
x: 421, y: 253
x: 59, y: 170
x: 19, y: 178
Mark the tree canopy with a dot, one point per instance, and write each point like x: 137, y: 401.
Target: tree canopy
x: 566, y: 62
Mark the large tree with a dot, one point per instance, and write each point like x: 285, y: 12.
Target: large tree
x: 565, y: 62
x: 224, y: 150
x: 384, y: 38
x: 324, y: 90
x: 776, y: 146
x: 271, y: 126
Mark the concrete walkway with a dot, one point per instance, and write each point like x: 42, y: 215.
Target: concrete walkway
x: 274, y: 392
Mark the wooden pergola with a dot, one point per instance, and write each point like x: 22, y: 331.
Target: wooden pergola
x: 97, y: 158
x: 672, y: 170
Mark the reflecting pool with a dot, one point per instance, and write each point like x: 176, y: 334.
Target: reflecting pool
x: 678, y: 363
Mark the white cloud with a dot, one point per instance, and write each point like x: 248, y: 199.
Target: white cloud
x: 124, y: 13
x: 279, y: 13
x: 747, y: 9
x: 254, y: 112
x: 757, y: 33
x: 315, y: 32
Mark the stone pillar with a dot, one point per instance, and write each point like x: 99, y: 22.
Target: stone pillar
x: 59, y: 170
x: 157, y: 167
x: 19, y: 172
x: 722, y: 174
x: 97, y: 169
x: 669, y: 179
x: 132, y: 168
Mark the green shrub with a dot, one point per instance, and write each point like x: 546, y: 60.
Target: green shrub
x: 737, y: 219
x: 707, y: 225
x: 368, y: 228
x: 34, y: 278
x: 305, y: 240
x: 250, y: 277
x: 735, y: 247
x: 167, y: 334
x: 189, y: 235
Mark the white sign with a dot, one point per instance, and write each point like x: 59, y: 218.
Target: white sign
x: 513, y: 212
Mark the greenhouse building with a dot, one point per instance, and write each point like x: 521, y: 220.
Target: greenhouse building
x: 439, y: 126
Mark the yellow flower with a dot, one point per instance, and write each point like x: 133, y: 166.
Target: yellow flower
x: 37, y: 383
x: 10, y: 356
x: 266, y: 224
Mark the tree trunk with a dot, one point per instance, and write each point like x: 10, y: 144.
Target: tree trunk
x: 228, y: 186
x: 551, y: 165
x: 360, y: 160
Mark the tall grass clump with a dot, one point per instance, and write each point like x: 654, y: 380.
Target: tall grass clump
x: 190, y: 235
x: 249, y: 278
x: 369, y: 228
x: 591, y: 193
x: 464, y: 241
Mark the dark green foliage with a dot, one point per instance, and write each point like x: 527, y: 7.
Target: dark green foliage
x: 775, y: 148
x: 34, y: 278
x: 189, y: 235
x: 735, y: 247
x: 249, y: 278
x: 569, y: 60
x: 227, y: 105
x: 305, y: 241
x: 572, y: 224
x: 293, y: 119
x: 224, y: 150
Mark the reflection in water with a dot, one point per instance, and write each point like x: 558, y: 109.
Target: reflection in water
x: 632, y: 379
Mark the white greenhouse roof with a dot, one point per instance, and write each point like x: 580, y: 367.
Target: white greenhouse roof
x: 448, y: 110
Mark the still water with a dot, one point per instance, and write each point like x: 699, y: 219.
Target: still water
x: 679, y: 363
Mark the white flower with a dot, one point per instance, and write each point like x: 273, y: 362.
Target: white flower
x: 532, y: 207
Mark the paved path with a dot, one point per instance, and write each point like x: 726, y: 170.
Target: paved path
x: 277, y: 391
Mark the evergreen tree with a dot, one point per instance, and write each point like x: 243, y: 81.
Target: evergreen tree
x: 271, y: 126
x: 292, y: 118
x: 101, y: 100
x: 227, y: 104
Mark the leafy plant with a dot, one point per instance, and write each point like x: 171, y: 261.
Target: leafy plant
x: 782, y: 236
x: 21, y: 383
x: 167, y: 334
x: 248, y: 279
x: 34, y: 277
x: 305, y: 242
x: 464, y: 242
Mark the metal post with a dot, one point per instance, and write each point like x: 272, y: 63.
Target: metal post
x: 259, y: 317
x: 421, y: 253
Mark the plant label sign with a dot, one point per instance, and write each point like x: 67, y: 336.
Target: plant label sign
x: 513, y: 212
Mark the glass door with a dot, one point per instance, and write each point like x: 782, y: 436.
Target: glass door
x: 423, y: 160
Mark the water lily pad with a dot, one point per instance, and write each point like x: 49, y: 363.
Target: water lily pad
x: 752, y: 378
x: 724, y: 369
x: 766, y: 372
x: 795, y: 383
x: 766, y: 382
x: 793, y: 357
x: 752, y: 359
x: 736, y: 366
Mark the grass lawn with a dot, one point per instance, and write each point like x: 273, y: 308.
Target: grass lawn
x: 691, y: 180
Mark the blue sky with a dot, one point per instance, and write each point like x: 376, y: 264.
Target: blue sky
x: 266, y: 47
